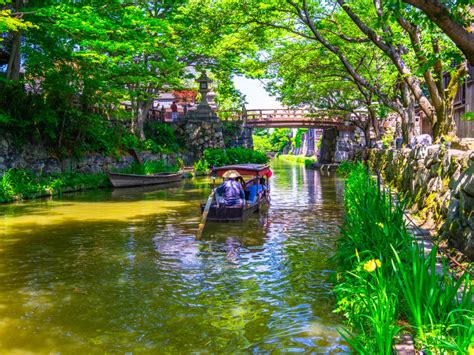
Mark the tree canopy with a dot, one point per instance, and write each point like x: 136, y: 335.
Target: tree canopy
x: 69, y: 66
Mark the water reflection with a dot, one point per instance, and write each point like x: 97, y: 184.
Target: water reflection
x: 129, y: 275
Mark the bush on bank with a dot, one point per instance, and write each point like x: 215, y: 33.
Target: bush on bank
x: 219, y: 157
x: 387, y: 284
x: 19, y: 184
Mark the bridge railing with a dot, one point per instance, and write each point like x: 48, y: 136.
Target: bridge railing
x: 265, y: 115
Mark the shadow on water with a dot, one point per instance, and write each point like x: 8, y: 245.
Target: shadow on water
x: 133, y: 281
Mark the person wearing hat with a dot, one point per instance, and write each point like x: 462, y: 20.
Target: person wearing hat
x: 231, y: 191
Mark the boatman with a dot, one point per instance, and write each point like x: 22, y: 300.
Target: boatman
x: 230, y: 192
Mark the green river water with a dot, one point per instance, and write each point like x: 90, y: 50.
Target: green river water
x: 120, y: 272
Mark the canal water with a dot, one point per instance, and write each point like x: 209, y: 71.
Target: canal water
x: 120, y: 271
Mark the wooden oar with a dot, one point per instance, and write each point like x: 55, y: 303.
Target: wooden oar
x: 204, y: 215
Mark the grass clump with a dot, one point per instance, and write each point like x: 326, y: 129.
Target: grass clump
x: 385, y: 279
x: 150, y: 168
x: 345, y: 167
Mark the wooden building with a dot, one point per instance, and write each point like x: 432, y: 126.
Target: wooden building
x: 463, y: 103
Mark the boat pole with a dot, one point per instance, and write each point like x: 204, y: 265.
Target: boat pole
x: 204, y: 215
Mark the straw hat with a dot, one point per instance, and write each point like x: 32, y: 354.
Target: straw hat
x: 231, y: 174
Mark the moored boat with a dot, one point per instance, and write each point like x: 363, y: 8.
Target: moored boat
x: 128, y: 180
x: 256, y: 187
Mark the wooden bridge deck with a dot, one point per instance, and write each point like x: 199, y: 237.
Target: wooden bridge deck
x: 284, y: 118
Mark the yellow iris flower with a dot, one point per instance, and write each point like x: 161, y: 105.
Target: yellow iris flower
x: 372, y: 264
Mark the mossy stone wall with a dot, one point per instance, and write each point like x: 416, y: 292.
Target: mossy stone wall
x: 437, y: 184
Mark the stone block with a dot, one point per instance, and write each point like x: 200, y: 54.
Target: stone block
x: 464, y: 144
x: 468, y: 243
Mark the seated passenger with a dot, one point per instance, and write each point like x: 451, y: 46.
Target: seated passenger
x: 252, y: 191
x: 231, y: 191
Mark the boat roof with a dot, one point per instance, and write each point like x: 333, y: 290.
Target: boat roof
x: 245, y: 169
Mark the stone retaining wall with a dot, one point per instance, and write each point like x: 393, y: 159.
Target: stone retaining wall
x: 438, y: 185
x: 237, y: 134
x: 37, y: 159
x: 197, y: 135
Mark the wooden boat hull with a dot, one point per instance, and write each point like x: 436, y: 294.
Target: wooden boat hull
x: 231, y: 213
x: 128, y: 180
x: 255, y: 191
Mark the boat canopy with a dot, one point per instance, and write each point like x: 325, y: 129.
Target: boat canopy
x: 245, y: 169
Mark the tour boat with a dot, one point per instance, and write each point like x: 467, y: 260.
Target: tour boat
x: 127, y: 180
x: 255, y: 178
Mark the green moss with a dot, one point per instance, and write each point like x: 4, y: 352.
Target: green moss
x: 431, y: 207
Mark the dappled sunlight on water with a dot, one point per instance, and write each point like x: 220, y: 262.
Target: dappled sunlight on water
x: 120, y: 271
x: 57, y: 212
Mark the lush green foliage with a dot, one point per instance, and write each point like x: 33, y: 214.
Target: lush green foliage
x: 82, y: 62
x: 17, y: 184
x: 349, y: 56
x: 262, y: 144
x: 243, y: 155
x: 219, y: 157
x: 65, y: 130
x: 201, y: 167
x: 150, y: 167
x: 345, y: 167
x: 161, y: 138
x: 299, y: 159
x: 275, y: 140
x: 385, y: 277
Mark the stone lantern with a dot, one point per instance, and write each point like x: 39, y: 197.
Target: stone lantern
x: 204, y: 82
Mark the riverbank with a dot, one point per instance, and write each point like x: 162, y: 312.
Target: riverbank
x: 21, y: 184
x: 389, y: 285
x: 298, y: 159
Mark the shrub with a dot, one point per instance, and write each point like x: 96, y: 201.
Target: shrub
x: 130, y: 141
x: 220, y: 157
x: 216, y: 157
x: 201, y: 167
x: 163, y: 137
x: 244, y: 155
x: 262, y: 144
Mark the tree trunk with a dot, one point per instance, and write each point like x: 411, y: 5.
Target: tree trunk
x: 13, y: 68
x: 367, y: 135
x: 408, y: 113
x: 374, y: 123
x: 141, y: 115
